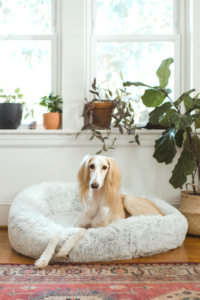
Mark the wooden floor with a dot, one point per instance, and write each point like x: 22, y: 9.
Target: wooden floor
x: 188, y: 252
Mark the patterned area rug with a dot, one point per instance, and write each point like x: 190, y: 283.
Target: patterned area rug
x: 101, y: 282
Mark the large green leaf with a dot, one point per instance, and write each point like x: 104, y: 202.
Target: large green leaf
x: 179, y: 138
x: 156, y: 115
x: 180, y: 121
x: 165, y: 147
x: 185, y: 166
x: 165, y: 121
x: 188, y: 103
x: 193, y: 145
x: 182, y: 97
x: 129, y: 83
x: 197, y: 123
x: 163, y: 73
x: 153, y: 98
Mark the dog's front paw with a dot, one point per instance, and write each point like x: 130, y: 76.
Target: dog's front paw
x: 64, y: 251
x: 41, y: 263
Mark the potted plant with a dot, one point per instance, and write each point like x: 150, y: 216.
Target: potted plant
x: 106, y: 106
x: 180, y: 132
x: 11, y: 110
x: 52, y: 119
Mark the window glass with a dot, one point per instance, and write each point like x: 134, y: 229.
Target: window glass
x: 138, y: 62
x: 25, y: 17
x: 26, y: 65
x: 134, y: 17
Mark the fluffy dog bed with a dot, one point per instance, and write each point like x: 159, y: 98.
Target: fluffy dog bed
x: 39, y: 212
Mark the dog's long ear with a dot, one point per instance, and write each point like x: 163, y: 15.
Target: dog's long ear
x: 84, y: 179
x: 113, y: 180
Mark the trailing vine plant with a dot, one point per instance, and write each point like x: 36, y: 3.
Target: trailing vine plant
x: 123, y: 116
x: 178, y: 125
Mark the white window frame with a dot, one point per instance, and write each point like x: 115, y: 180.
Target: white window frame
x: 56, y: 46
x: 178, y: 38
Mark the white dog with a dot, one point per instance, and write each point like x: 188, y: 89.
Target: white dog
x: 106, y: 205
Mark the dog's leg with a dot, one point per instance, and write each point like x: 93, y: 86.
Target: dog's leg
x: 48, y: 252
x: 69, y: 244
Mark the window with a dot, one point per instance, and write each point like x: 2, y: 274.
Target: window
x: 134, y: 36
x: 28, y: 50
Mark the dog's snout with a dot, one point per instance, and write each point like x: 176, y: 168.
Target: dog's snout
x: 94, y: 185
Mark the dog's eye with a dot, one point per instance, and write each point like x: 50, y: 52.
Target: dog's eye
x: 91, y: 166
x: 104, y: 168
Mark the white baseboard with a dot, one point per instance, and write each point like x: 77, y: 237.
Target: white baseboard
x: 5, y: 207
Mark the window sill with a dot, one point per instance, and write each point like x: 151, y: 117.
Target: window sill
x: 67, y: 139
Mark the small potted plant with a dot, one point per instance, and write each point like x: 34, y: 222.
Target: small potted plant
x: 11, y: 110
x: 118, y: 109
x: 52, y: 119
x: 180, y: 132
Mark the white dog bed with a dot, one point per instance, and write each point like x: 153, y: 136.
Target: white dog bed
x: 39, y: 212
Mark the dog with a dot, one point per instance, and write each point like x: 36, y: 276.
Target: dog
x: 101, y: 176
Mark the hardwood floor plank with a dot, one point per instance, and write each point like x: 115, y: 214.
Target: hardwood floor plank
x: 188, y: 252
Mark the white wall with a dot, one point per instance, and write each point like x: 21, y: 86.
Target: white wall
x: 28, y: 157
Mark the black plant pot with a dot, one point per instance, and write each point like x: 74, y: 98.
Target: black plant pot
x: 10, y: 115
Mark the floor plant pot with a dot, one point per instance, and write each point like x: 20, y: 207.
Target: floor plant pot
x: 52, y: 120
x: 104, y: 111
x: 10, y: 115
x: 190, y: 208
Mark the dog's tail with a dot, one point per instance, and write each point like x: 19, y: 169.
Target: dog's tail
x: 48, y: 252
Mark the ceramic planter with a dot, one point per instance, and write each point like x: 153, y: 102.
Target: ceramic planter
x: 10, y: 115
x: 104, y: 111
x: 52, y: 120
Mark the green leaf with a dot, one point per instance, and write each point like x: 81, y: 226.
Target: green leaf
x: 165, y: 147
x: 99, y: 152
x: 194, y: 148
x: 188, y: 102
x: 182, y: 97
x: 180, y: 121
x: 17, y: 90
x: 156, y: 115
x: 197, y: 123
x: 185, y: 166
x: 121, y: 75
x: 20, y: 96
x: 129, y: 83
x: 165, y: 121
x: 92, y: 137
x: 137, y: 139
x: 163, y: 73
x: 179, y: 138
x: 153, y: 98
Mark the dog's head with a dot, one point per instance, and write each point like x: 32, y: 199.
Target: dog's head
x: 96, y: 172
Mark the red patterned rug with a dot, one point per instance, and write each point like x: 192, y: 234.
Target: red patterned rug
x: 101, y: 282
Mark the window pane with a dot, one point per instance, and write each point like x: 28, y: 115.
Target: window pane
x: 134, y: 17
x: 25, y: 16
x: 26, y: 65
x: 138, y: 62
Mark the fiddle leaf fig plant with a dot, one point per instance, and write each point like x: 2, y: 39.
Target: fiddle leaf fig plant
x: 178, y: 125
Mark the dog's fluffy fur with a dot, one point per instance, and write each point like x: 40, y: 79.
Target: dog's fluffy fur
x: 103, y: 176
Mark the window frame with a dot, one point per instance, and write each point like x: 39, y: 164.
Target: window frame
x: 56, y: 48
x: 175, y: 38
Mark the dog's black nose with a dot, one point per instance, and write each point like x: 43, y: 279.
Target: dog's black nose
x: 94, y: 185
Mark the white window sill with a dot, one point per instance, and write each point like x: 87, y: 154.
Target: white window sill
x: 67, y: 139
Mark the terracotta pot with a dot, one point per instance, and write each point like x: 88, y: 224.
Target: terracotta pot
x: 104, y: 111
x: 52, y: 120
